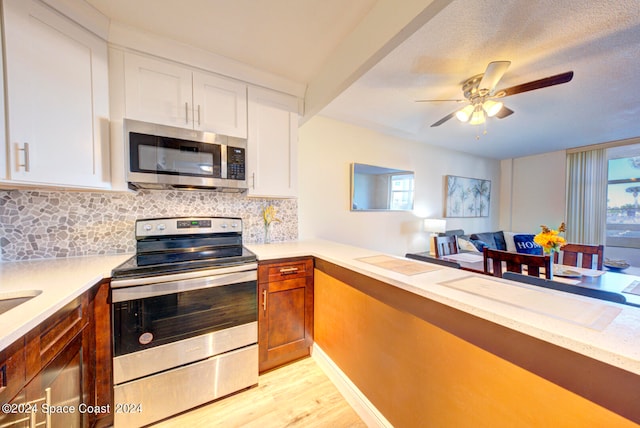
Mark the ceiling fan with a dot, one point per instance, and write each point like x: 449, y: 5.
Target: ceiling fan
x: 483, y: 100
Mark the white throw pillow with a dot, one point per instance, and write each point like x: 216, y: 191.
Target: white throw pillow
x: 508, y: 239
x: 465, y: 245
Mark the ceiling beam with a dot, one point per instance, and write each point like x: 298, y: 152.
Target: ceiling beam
x: 388, y: 24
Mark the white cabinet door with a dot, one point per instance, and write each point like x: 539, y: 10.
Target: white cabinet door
x: 220, y: 105
x: 272, y: 144
x: 158, y: 92
x: 57, y: 91
x: 161, y: 92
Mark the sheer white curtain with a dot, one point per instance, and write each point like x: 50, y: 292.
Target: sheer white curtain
x: 587, y: 197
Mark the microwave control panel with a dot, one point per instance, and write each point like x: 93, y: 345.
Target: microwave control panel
x: 236, y: 162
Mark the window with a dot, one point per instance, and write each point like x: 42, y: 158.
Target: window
x: 623, y: 197
x: 402, y: 192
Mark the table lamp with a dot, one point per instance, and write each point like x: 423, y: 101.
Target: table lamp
x: 434, y: 226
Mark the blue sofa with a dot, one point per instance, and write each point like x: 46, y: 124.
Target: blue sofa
x: 497, y: 241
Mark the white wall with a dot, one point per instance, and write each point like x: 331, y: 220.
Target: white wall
x: 533, y: 192
x: 326, y: 150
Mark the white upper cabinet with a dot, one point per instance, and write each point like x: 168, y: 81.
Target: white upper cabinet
x: 158, y: 92
x: 161, y: 92
x: 272, y: 144
x: 57, y: 99
x: 220, y: 105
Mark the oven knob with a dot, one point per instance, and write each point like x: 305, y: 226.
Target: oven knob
x: 234, y: 225
x: 148, y: 227
x: 161, y: 227
x: 224, y: 225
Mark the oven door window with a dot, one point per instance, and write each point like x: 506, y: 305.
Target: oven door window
x: 153, y: 321
x: 172, y: 156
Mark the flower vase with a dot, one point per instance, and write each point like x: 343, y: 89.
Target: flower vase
x: 267, y: 233
x: 551, y: 264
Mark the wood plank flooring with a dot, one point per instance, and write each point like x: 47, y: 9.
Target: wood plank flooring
x: 296, y: 395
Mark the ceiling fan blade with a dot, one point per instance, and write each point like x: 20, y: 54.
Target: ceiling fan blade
x: 504, y: 112
x: 492, y: 75
x: 537, y: 84
x: 438, y: 101
x: 444, y: 119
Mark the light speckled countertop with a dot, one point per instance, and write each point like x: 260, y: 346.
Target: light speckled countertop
x: 61, y: 281
x: 616, y: 343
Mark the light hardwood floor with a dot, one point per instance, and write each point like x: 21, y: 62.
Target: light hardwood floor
x: 296, y: 395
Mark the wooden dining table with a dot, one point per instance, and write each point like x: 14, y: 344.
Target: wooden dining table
x: 607, y: 280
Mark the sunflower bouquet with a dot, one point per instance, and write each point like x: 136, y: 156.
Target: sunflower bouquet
x: 269, y: 217
x: 549, y: 239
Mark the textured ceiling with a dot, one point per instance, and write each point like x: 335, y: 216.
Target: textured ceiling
x: 599, y: 40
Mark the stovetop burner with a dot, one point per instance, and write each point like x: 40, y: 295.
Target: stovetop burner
x: 172, y: 245
x: 131, y: 268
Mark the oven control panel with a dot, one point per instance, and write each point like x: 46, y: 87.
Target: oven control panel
x: 195, y: 223
x: 187, y: 225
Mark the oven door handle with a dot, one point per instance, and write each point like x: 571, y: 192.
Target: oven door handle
x: 171, y: 287
x: 117, y: 283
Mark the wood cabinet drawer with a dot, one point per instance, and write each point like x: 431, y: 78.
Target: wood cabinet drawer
x: 295, y: 268
x: 46, y: 341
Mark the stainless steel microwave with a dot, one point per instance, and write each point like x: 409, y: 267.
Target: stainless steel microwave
x: 166, y: 157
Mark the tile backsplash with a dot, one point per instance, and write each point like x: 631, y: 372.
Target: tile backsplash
x: 47, y: 224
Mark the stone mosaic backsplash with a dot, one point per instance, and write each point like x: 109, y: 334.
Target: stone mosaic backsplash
x: 47, y: 224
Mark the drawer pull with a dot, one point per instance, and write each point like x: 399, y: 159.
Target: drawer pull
x: 288, y: 270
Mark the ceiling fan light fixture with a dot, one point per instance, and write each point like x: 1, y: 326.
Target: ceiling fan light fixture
x: 492, y: 107
x: 464, y: 114
x: 477, y: 118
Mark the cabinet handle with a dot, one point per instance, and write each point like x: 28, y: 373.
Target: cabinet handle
x: 47, y: 395
x: 264, y: 300
x: 33, y: 423
x: 198, y: 114
x: 253, y: 180
x: 288, y: 270
x: 25, y: 149
x: 186, y: 113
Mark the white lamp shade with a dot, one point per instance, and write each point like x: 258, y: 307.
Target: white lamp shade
x: 464, y: 114
x: 435, y: 225
x: 491, y: 107
x: 477, y: 117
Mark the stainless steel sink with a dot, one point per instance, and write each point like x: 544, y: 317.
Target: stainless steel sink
x: 11, y: 299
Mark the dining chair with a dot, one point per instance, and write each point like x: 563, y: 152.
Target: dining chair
x: 445, y: 245
x: 430, y: 259
x: 514, y: 263
x: 570, y: 254
x: 573, y: 289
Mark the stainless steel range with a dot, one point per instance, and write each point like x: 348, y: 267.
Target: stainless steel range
x: 184, y: 318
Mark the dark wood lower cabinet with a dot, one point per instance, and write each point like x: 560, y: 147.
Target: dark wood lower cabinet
x: 100, y: 371
x: 58, y: 389
x: 285, y: 311
x: 59, y: 374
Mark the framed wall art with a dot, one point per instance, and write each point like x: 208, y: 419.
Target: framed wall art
x: 467, y: 197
